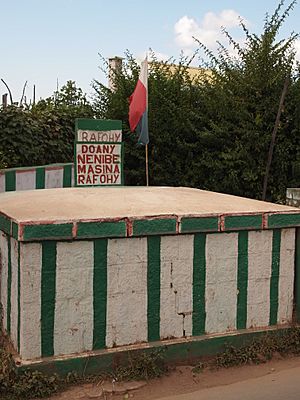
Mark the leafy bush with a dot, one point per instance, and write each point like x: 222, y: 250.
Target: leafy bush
x: 28, y: 385
x: 211, y: 132
x: 214, y: 132
x: 44, y: 133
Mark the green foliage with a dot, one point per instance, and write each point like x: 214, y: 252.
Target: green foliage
x: 214, y: 132
x: 2, y: 161
x: 244, y: 113
x: 141, y: 367
x: 259, y: 351
x: 43, y: 133
x: 211, y: 132
x: 21, y: 142
x: 33, y: 384
x: 27, y: 385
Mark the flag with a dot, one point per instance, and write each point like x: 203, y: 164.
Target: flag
x: 138, y: 106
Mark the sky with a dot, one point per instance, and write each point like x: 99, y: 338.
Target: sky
x: 46, y: 42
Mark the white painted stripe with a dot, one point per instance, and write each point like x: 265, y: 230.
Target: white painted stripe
x: 25, y: 180
x: 176, y: 288
x: 14, y: 293
x: 54, y: 178
x: 2, y: 182
x: 126, y: 291
x: 143, y: 77
x: 259, y: 278
x: 4, y: 272
x: 221, y: 282
x: 286, y: 276
x: 30, y: 300
x: 73, y: 325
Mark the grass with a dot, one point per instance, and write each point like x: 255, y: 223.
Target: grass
x: 259, y: 351
x: 144, y: 366
x: 34, y: 384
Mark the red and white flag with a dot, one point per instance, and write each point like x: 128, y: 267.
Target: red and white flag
x: 138, y: 107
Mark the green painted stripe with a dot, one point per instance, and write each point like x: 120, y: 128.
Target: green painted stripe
x: 199, y: 278
x: 297, y: 275
x: 10, y: 181
x: 5, y: 224
x: 177, y: 351
x: 243, y: 222
x: 100, y: 293
x: 154, y: 226
x: 153, y: 287
x: 242, y: 280
x: 67, y: 175
x: 40, y: 178
x: 48, y: 288
x: 275, y: 276
x: 9, y: 276
x: 282, y: 220
x: 47, y: 231
x: 205, y: 224
x: 98, y: 125
x: 19, y: 295
x: 101, y: 229
x: 15, y: 230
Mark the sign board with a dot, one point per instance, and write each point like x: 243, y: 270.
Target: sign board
x: 98, y: 152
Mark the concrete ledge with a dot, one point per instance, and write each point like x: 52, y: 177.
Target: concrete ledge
x: 100, y: 229
x: 175, y: 351
x: 128, y: 227
x: 154, y: 226
x: 283, y: 220
x: 204, y: 224
x: 82, y: 213
x: 243, y: 222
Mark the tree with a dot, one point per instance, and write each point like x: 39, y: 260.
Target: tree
x: 56, y: 116
x: 42, y: 133
x: 173, y: 123
x: 214, y: 132
x: 251, y: 85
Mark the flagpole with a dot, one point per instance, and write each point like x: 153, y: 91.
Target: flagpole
x: 147, y: 167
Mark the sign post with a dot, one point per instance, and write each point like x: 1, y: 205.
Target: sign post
x: 98, y: 153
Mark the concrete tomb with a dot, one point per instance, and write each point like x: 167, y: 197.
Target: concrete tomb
x: 96, y: 271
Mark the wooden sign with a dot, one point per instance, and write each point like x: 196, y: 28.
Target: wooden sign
x: 98, y: 152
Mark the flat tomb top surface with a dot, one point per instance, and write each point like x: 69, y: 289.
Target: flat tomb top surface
x: 79, y: 204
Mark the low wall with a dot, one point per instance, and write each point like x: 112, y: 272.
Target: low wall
x: 61, y: 298
x: 42, y: 177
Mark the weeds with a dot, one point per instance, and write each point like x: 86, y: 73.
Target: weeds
x: 34, y: 384
x: 28, y: 385
x: 143, y: 366
x: 257, y: 352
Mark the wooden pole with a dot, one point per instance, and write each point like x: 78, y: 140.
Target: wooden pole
x: 4, y: 100
x: 33, y: 94
x: 147, y: 166
x: 283, y: 94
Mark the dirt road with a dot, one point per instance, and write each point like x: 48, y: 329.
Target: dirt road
x: 276, y: 386
x: 278, y: 379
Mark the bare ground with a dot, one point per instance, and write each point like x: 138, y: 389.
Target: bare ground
x: 181, y: 380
